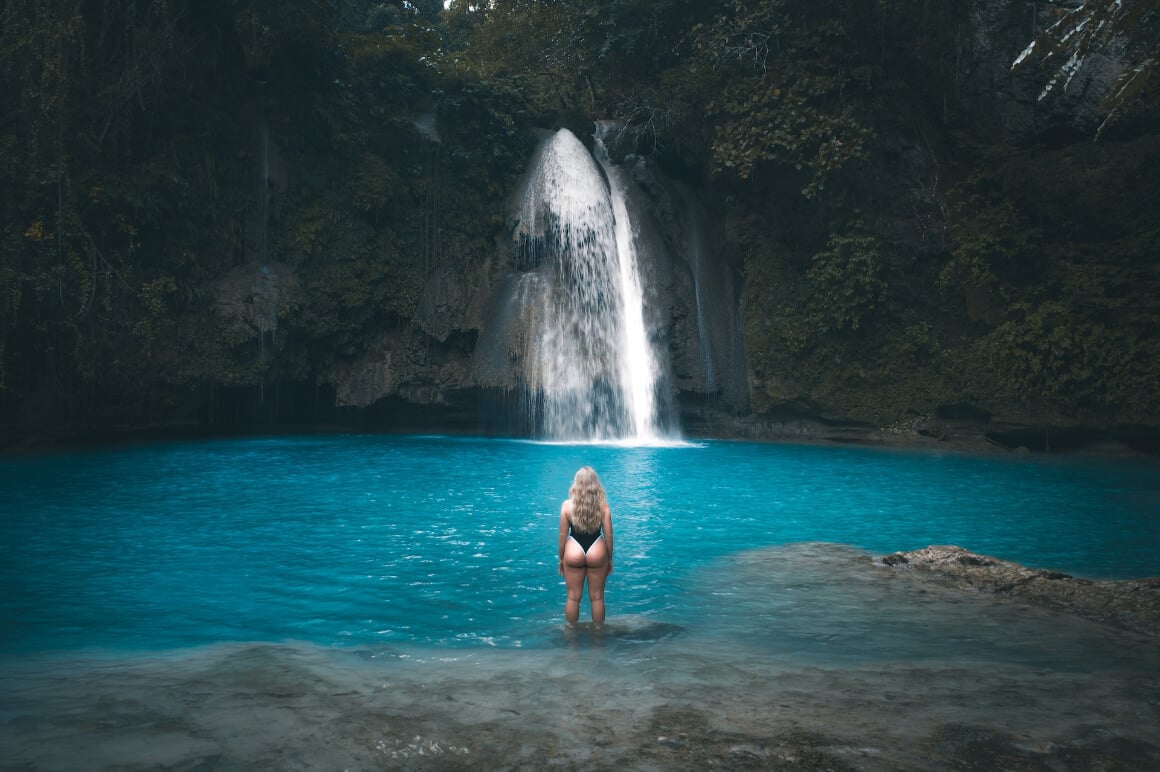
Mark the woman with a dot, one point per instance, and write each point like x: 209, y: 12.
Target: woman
x: 585, y: 544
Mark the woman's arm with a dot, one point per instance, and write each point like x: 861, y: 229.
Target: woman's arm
x: 563, y: 532
x: 608, y: 531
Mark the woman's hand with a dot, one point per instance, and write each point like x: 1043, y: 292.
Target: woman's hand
x: 561, y: 567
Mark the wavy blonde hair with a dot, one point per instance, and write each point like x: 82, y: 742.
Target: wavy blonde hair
x: 588, y: 500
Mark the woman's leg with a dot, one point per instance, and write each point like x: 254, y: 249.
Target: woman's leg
x: 574, y: 572
x: 597, y: 572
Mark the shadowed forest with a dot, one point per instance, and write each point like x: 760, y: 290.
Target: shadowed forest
x: 247, y: 214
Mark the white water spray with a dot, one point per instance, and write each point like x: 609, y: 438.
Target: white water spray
x: 590, y: 365
x: 637, y: 361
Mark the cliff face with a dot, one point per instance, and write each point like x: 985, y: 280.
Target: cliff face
x: 994, y: 265
x: 331, y: 240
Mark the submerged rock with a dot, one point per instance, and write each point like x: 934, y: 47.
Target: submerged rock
x: 1132, y: 604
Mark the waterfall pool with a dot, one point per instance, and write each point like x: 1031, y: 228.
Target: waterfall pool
x: 375, y: 601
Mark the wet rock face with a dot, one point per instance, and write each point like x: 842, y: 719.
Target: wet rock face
x: 694, y: 290
x: 1130, y: 604
x: 251, y: 296
x: 407, y: 364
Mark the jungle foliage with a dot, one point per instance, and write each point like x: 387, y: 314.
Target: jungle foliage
x: 235, y: 193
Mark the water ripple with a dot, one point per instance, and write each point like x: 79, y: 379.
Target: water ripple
x: 452, y: 541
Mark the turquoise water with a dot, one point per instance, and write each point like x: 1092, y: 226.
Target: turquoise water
x: 451, y: 542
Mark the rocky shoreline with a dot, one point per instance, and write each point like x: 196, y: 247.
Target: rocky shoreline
x: 926, y: 432
x: 1132, y: 604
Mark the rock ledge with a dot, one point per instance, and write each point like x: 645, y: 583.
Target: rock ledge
x: 1132, y: 604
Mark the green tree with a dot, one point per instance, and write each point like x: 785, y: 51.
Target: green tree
x: 77, y: 280
x: 1130, y: 28
x: 788, y: 73
x: 847, y: 278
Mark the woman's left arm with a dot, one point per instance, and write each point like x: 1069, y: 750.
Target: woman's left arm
x: 563, y: 533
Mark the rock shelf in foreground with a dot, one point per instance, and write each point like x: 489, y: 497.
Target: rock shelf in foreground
x: 1132, y: 604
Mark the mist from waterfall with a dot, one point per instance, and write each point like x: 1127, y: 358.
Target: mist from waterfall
x: 590, y: 366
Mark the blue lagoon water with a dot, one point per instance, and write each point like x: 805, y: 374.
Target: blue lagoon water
x: 736, y: 564
x: 444, y: 541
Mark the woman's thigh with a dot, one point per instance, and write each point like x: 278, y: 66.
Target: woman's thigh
x: 596, y: 579
x: 597, y: 568
x: 574, y: 580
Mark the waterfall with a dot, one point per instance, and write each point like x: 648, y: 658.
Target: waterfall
x: 590, y: 364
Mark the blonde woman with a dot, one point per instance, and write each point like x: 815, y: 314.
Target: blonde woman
x: 585, y: 544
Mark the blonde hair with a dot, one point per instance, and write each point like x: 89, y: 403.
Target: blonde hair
x: 588, y: 500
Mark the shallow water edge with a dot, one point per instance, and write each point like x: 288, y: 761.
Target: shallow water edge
x: 831, y: 661
x: 298, y: 707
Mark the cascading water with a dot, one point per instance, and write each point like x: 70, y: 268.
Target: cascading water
x: 590, y: 364
x: 636, y: 355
